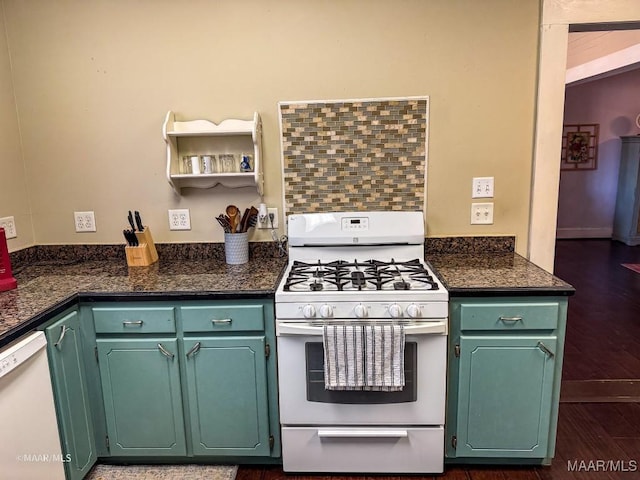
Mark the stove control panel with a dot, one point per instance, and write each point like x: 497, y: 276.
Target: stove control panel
x: 361, y: 310
x: 355, y: 224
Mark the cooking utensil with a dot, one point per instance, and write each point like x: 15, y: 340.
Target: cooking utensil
x: 139, y: 221
x: 252, y: 219
x: 130, y: 218
x: 243, y: 222
x: 232, y: 212
x: 224, y: 223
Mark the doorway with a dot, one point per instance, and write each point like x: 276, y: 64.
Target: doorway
x: 556, y: 18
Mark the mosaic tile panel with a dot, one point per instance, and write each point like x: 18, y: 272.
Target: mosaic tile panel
x: 354, y: 154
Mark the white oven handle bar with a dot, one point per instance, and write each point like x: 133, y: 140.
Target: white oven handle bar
x: 301, y: 328
x: 349, y: 433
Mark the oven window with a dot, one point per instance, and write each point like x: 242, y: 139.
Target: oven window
x: 315, y: 380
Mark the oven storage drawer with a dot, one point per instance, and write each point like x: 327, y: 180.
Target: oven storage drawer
x: 231, y: 318
x: 532, y: 315
x: 393, y: 449
x: 134, y: 319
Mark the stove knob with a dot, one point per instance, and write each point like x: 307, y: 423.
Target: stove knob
x: 326, y: 311
x: 413, y: 311
x: 360, y: 311
x: 308, y: 311
x: 395, y: 310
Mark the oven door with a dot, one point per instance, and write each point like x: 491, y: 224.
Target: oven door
x: 304, y: 401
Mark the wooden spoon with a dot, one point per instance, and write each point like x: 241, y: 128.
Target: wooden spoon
x: 232, y: 212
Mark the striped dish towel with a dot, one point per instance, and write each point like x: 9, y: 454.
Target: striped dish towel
x: 364, y: 357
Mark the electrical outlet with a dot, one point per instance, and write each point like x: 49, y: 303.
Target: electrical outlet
x: 481, y: 213
x: 482, y: 187
x: 179, y: 219
x: 85, y: 221
x: 9, y: 225
x: 266, y: 223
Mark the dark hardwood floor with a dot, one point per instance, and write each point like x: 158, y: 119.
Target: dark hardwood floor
x: 599, y: 441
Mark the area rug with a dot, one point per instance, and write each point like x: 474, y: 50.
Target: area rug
x: 632, y: 266
x: 162, y: 472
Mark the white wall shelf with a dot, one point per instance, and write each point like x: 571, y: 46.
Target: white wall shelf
x: 202, y: 137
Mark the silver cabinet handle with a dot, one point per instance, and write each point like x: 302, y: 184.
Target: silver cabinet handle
x: 510, y: 319
x: 195, y: 349
x: 137, y: 323
x: 165, y: 352
x: 63, y: 331
x: 221, y: 321
x: 545, y: 349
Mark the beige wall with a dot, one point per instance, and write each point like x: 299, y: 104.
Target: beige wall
x: 14, y: 200
x: 93, y: 81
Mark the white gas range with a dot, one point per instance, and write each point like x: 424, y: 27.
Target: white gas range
x: 364, y: 270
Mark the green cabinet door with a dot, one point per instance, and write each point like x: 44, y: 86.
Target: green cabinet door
x: 64, y: 348
x: 227, y: 391
x: 142, y: 396
x: 505, y: 391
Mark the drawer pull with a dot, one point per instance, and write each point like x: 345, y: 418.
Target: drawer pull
x: 165, y: 352
x: 545, y: 349
x: 129, y: 323
x: 63, y: 331
x: 195, y: 349
x: 221, y: 321
x: 510, y: 320
x: 355, y: 433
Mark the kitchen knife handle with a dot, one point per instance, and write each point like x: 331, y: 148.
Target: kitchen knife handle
x: 139, y: 221
x: 130, y: 219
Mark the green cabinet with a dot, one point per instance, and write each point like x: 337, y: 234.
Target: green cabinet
x: 505, y: 362
x: 67, y: 363
x: 188, y: 379
x: 227, y: 394
x: 142, y: 396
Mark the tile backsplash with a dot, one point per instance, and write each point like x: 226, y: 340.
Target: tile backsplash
x: 354, y: 154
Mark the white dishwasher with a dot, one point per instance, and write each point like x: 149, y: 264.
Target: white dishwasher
x: 28, y: 425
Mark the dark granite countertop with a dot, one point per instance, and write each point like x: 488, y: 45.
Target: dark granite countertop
x: 53, y: 278
x: 46, y: 288
x: 493, y: 274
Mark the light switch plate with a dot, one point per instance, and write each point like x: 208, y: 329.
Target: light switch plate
x: 482, y: 187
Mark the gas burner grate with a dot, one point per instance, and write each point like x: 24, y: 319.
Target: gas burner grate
x: 343, y: 275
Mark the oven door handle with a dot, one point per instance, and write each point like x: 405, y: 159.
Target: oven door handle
x: 423, y: 328
x: 355, y: 433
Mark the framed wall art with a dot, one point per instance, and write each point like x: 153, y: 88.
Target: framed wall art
x: 580, y: 147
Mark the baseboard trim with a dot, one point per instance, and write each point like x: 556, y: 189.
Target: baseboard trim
x: 584, y: 232
x: 600, y: 391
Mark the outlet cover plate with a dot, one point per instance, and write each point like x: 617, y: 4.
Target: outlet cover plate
x: 9, y: 225
x: 179, y: 219
x: 85, y: 221
x: 267, y: 222
x: 482, y: 213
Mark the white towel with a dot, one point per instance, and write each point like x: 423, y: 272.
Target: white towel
x: 364, y: 357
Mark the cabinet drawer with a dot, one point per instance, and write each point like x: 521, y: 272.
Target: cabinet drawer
x: 509, y: 316
x: 134, y: 320
x: 232, y: 318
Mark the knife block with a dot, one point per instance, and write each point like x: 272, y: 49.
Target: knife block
x: 145, y: 253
